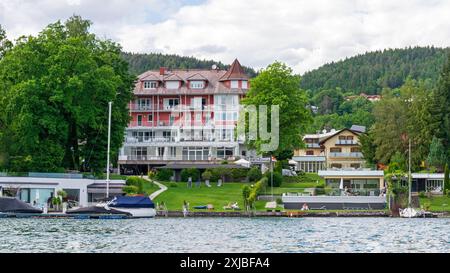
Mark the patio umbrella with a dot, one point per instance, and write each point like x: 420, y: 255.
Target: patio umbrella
x: 341, y: 185
x: 243, y: 162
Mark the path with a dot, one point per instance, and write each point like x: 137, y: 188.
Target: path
x: 162, y: 188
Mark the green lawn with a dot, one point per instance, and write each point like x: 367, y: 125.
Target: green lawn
x: 438, y: 203
x: 150, y: 188
x: 217, y: 196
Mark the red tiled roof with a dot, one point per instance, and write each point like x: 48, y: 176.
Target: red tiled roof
x: 236, y: 72
x: 197, y: 77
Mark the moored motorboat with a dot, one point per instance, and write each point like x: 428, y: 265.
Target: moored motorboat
x: 137, y: 206
x: 14, y: 205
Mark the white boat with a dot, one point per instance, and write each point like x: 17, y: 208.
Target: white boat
x: 410, y: 213
x: 137, y: 206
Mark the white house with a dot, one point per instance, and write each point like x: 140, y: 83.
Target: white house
x: 37, y: 190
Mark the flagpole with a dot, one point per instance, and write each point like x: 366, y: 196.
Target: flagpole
x: 409, y: 175
x: 109, y: 147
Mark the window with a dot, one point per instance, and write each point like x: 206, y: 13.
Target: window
x: 244, y: 85
x: 355, y: 150
x: 336, y: 165
x: 234, y: 84
x: 349, y: 137
x: 144, y: 104
x: 150, y: 118
x: 197, y: 84
x: 150, y: 84
x: 171, y: 103
x: 172, y: 84
x: 335, y: 150
x: 355, y: 165
x: 139, y: 120
x: 173, y: 151
x: 309, y: 152
x: 197, y: 102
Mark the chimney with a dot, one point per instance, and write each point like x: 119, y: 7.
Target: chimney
x: 162, y: 71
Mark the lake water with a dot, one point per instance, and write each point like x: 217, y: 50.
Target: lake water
x: 226, y: 235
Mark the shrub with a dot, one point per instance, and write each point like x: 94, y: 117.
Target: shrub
x: 279, y: 201
x: 254, y: 174
x: 151, y: 174
x: 422, y: 194
x: 277, y: 179
x: 219, y: 173
x: 173, y: 185
x: 192, y: 172
x: 130, y: 190
x: 164, y: 174
x: 137, y: 182
x: 206, y: 175
x: 238, y: 174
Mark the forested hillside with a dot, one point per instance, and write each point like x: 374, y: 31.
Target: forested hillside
x: 140, y: 63
x: 371, y: 72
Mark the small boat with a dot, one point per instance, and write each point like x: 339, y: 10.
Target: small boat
x: 137, y: 206
x: 410, y: 213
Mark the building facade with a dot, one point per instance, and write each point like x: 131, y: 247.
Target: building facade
x: 328, y: 150
x: 185, y: 117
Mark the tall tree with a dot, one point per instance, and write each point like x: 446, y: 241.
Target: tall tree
x: 368, y: 147
x: 440, y: 109
x: 58, y: 85
x: 402, y: 115
x: 277, y: 85
x: 436, y: 156
x: 5, y: 44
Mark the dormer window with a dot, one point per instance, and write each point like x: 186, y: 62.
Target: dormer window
x: 234, y: 84
x: 150, y: 84
x: 172, y: 84
x: 244, y: 84
x: 197, y: 84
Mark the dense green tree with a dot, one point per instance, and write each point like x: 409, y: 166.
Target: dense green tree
x: 368, y: 148
x: 328, y: 101
x: 440, y: 109
x: 401, y: 115
x: 373, y: 71
x: 5, y: 44
x: 56, y: 88
x: 277, y: 85
x: 436, y: 156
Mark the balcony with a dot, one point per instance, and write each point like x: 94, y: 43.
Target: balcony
x: 312, y: 145
x: 140, y: 108
x: 347, y: 155
x: 169, y: 108
x: 346, y: 142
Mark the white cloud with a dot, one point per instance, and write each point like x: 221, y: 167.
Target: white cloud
x: 304, y: 34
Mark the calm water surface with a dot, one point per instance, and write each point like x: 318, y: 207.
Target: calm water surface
x: 226, y: 235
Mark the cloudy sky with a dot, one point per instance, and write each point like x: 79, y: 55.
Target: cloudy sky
x: 303, y: 33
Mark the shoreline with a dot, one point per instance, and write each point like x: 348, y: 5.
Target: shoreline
x: 288, y: 214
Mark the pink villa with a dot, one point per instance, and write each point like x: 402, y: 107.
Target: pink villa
x: 184, y: 117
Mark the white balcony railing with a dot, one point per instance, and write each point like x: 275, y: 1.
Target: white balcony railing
x: 351, y: 155
x: 346, y: 142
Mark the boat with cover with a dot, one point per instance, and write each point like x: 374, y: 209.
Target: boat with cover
x: 137, y: 206
x: 14, y: 205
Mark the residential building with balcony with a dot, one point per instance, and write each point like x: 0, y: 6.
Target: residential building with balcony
x: 335, y: 149
x: 184, y: 117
